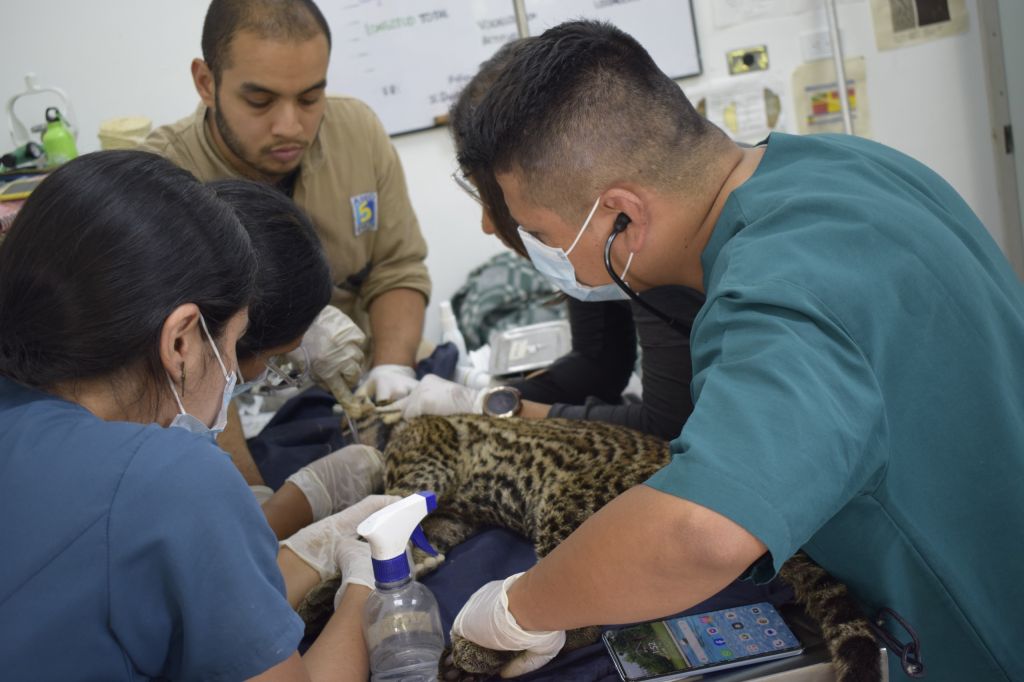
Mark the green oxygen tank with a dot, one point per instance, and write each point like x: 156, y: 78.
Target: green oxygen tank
x: 58, y: 142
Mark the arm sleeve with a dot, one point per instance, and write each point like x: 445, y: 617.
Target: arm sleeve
x: 195, y: 591
x: 667, y: 369
x: 600, y: 363
x: 399, y: 249
x: 788, y: 423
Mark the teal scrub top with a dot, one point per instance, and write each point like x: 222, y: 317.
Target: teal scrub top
x: 130, y: 552
x: 859, y: 392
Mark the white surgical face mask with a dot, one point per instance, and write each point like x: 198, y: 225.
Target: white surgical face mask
x: 554, y: 263
x: 186, y: 421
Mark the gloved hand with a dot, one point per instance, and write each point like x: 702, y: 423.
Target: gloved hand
x: 355, y: 565
x: 340, y: 479
x: 438, y: 396
x: 335, y: 346
x: 485, y: 620
x: 385, y: 383
x: 262, y: 493
x: 330, y: 546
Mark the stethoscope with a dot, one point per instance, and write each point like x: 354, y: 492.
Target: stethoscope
x: 620, y: 225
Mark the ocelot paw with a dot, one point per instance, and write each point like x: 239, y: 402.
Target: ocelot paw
x: 423, y: 563
x: 465, y: 661
x: 317, y: 606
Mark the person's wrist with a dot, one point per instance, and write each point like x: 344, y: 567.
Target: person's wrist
x: 514, y: 596
x: 517, y: 596
x: 317, y: 496
x: 396, y: 367
x: 299, y: 576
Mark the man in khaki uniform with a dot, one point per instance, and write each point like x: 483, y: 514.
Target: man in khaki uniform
x: 265, y: 116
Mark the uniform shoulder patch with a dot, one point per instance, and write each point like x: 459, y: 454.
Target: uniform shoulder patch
x: 364, y: 212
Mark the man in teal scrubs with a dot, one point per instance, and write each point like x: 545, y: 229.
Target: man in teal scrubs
x: 858, y: 366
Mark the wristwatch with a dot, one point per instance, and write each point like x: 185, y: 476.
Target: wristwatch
x: 502, y: 401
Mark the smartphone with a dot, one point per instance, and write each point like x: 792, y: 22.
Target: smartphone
x: 678, y: 648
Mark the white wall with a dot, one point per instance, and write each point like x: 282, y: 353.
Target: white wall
x: 928, y: 100
x: 1011, y: 15
x: 126, y: 57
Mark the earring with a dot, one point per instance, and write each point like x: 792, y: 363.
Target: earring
x: 183, y: 380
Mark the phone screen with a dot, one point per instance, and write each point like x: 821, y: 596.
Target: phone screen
x: 697, y: 644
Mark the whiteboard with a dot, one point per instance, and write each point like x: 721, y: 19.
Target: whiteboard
x: 409, y: 59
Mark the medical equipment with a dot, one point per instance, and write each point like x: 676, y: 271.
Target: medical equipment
x: 533, y: 346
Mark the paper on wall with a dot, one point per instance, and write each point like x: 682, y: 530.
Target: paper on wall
x: 733, y: 12
x: 747, y: 109
x: 899, y: 23
x: 816, y: 98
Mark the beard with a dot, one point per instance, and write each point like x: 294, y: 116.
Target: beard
x: 236, y: 147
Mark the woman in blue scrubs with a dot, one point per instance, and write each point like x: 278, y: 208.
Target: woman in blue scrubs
x: 133, y: 547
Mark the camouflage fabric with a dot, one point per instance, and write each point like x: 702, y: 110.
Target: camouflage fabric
x: 505, y: 292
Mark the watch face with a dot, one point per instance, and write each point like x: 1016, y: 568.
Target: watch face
x: 502, y: 402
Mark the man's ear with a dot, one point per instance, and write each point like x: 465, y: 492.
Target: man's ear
x: 177, y: 338
x: 627, y: 201
x: 205, y: 84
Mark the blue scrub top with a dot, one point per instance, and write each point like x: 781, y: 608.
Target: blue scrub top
x: 130, y: 552
x: 859, y: 391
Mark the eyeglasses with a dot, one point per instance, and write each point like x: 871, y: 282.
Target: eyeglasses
x: 466, y: 186
x: 287, y: 371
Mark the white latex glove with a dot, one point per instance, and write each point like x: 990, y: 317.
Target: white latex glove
x: 385, y: 383
x: 331, y: 545
x: 485, y: 620
x: 438, y: 396
x: 340, y: 479
x: 262, y: 493
x: 336, y: 351
x: 355, y: 565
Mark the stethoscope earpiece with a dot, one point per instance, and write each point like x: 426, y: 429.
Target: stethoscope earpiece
x: 620, y: 224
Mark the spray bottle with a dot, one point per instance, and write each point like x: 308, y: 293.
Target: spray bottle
x: 401, y: 621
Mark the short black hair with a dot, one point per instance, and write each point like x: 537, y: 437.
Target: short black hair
x: 581, y: 105
x: 105, y: 248
x: 293, y: 280
x: 281, y: 19
x: 460, y: 121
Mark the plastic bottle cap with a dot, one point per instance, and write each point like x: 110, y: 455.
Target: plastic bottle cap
x: 388, y: 531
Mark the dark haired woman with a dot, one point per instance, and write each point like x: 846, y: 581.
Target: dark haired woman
x: 132, y: 543
x: 289, y: 307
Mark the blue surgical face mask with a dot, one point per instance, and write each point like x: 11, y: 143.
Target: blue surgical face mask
x: 193, y: 424
x: 554, y: 264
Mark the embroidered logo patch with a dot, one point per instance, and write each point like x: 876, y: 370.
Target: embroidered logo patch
x: 364, y: 212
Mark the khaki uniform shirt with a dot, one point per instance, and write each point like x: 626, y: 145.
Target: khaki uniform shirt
x: 352, y: 187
